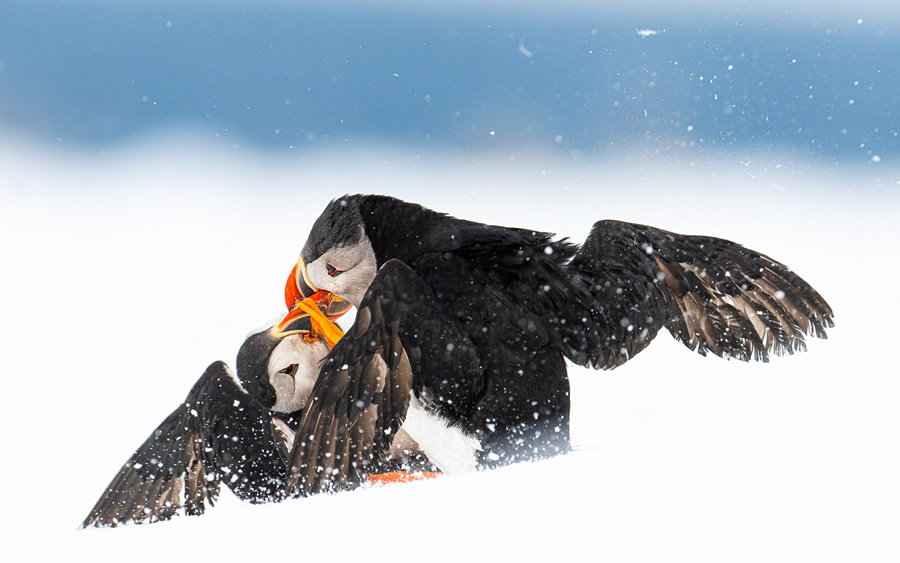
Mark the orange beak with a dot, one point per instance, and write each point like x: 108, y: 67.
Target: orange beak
x: 299, y: 286
x: 319, y: 321
x: 292, y: 289
x: 303, y: 298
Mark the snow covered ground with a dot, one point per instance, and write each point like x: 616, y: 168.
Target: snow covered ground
x: 125, y: 273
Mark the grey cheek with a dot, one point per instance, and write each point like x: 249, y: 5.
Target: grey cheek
x: 284, y: 388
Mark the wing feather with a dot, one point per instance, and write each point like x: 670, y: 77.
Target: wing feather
x: 180, y: 465
x: 362, y: 394
x: 713, y: 295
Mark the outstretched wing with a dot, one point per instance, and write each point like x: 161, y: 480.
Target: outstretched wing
x: 362, y: 394
x: 217, y: 434
x: 711, y: 294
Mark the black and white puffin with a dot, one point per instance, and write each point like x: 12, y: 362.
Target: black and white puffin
x: 238, y: 430
x: 232, y: 430
x: 471, y: 323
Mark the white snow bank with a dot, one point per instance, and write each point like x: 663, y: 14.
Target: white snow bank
x: 124, y: 275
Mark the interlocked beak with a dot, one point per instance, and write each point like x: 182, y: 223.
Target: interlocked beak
x: 302, y: 297
x: 319, y: 322
x: 298, y: 286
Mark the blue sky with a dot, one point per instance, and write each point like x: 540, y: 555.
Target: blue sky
x: 579, y: 80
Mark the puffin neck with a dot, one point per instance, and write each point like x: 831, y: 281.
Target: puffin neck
x: 401, y: 230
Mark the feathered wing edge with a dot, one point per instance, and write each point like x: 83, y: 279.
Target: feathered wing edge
x: 136, y: 496
x: 713, y: 295
x: 172, y: 470
x: 362, y: 394
x: 736, y: 302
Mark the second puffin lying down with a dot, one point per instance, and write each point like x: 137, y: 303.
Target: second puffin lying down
x: 472, y: 322
x: 237, y: 430
x: 232, y: 430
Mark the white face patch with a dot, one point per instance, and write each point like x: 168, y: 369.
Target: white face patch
x: 292, y: 392
x: 446, y: 445
x: 357, y: 266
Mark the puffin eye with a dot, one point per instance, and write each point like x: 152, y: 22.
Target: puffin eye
x: 331, y: 270
x: 290, y: 370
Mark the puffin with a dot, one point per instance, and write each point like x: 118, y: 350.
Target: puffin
x: 232, y: 428
x: 237, y: 430
x: 472, y: 324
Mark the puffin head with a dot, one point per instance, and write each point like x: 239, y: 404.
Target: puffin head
x: 279, y: 364
x: 337, y: 262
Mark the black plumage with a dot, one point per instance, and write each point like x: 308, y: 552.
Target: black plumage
x: 223, y: 433
x: 711, y: 294
x: 475, y: 320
